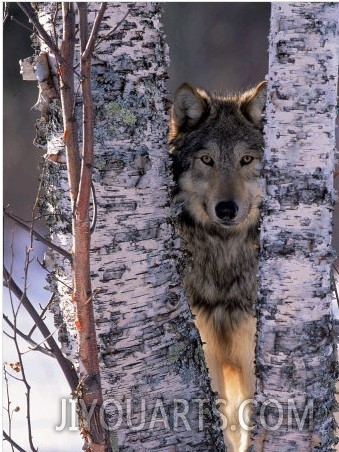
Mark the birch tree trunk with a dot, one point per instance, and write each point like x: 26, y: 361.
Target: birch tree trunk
x: 156, y: 391
x: 295, y: 351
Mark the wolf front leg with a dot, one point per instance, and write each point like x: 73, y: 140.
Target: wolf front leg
x: 239, y: 382
x: 230, y: 360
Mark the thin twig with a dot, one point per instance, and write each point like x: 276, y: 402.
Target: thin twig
x: 94, y: 32
x: 13, y: 19
x: 8, y: 335
x: 64, y: 363
x: 42, y: 265
x: 103, y: 38
x: 29, y: 340
x: 18, y: 351
x: 8, y: 409
x: 43, y: 35
x: 38, y: 236
x: 38, y: 346
x: 57, y: 9
x: 13, y: 376
x: 43, y: 311
x: 30, y: 13
x: 12, y: 442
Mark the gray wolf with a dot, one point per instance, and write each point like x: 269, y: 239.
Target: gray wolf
x: 216, y: 145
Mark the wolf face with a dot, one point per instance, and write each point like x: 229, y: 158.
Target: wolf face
x: 216, y: 144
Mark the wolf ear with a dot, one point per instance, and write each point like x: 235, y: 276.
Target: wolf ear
x: 252, y: 103
x: 188, y: 108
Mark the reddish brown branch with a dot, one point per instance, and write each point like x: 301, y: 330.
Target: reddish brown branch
x: 80, y: 182
x: 68, y: 100
x: 87, y: 52
x: 88, y: 354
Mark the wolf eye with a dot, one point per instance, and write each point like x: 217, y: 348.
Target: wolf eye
x: 207, y: 159
x: 247, y: 159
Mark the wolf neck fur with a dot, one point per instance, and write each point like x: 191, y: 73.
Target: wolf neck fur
x: 222, y: 280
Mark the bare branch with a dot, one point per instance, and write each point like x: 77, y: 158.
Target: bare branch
x: 83, y: 24
x: 68, y: 101
x: 57, y: 10
x: 13, y: 376
x: 88, y: 120
x: 20, y: 365
x: 38, y: 236
x: 94, y: 33
x: 53, y: 275
x: 13, y: 19
x: 80, y: 186
x: 8, y: 409
x: 13, y: 443
x: 64, y: 363
x: 108, y: 35
x: 43, y: 311
x: 84, y: 316
x: 38, y: 346
x: 30, y: 13
x: 8, y: 335
x: 29, y: 340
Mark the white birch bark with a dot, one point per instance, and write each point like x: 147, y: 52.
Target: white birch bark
x: 295, y: 349
x: 152, y: 369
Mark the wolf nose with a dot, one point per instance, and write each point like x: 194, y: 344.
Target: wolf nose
x: 226, y: 210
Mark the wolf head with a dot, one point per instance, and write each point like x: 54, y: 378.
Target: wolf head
x: 217, y: 145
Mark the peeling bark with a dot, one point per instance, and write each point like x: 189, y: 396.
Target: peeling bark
x: 295, y: 349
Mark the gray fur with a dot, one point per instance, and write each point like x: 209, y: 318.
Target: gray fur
x: 224, y: 256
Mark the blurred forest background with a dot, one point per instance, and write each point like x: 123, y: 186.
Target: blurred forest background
x: 218, y: 46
